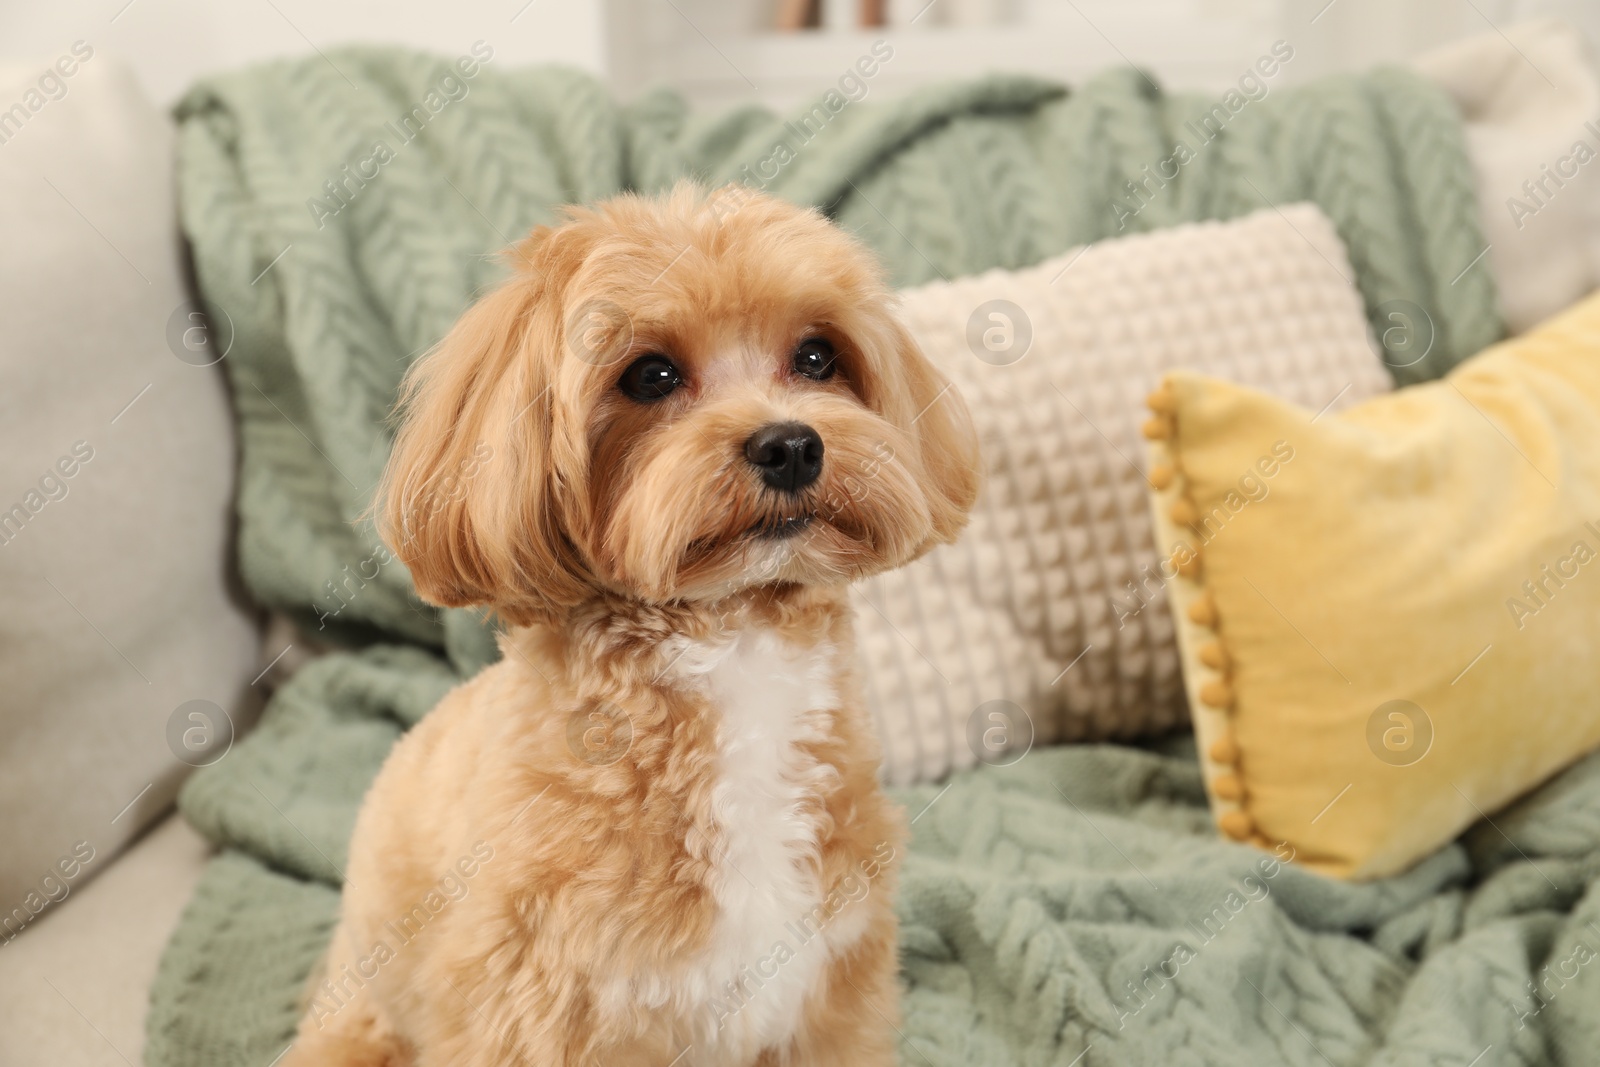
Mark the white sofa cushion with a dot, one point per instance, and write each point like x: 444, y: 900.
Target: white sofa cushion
x: 1530, y: 101
x: 76, y: 983
x: 116, y: 471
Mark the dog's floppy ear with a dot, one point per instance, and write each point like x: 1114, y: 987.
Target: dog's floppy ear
x: 467, y: 501
x: 909, y: 392
x: 933, y: 414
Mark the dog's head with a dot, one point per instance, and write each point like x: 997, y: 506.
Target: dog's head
x: 674, y: 399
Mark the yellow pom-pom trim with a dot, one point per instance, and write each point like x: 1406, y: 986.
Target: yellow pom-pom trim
x: 1162, y: 401
x: 1208, y: 665
x: 1236, y: 824
x: 1203, y: 612
x: 1157, y: 428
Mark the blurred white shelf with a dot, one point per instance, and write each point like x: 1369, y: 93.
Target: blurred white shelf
x: 722, y: 52
x: 719, y: 54
x: 785, y: 70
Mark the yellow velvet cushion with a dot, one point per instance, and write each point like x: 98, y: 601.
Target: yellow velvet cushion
x: 1389, y: 617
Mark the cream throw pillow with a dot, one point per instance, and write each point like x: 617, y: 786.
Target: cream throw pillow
x: 1047, y: 620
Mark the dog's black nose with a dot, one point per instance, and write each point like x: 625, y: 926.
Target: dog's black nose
x: 788, y: 455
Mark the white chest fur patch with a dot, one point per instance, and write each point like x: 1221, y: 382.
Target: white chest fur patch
x: 747, y: 989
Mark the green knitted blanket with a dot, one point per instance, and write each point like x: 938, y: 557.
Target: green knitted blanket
x: 341, y: 210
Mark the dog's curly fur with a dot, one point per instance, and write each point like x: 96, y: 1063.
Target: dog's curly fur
x: 652, y: 833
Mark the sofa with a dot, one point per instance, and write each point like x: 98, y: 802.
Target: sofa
x: 139, y: 656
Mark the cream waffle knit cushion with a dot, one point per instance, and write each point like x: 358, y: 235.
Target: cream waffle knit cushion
x: 1048, y: 620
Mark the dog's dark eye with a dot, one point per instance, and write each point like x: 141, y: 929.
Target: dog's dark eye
x: 814, y: 359
x: 649, y: 378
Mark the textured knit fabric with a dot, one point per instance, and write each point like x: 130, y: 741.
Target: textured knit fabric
x: 332, y: 288
x: 1054, y: 599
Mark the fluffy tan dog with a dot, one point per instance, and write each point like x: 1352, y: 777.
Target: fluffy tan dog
x: 652, y: 834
